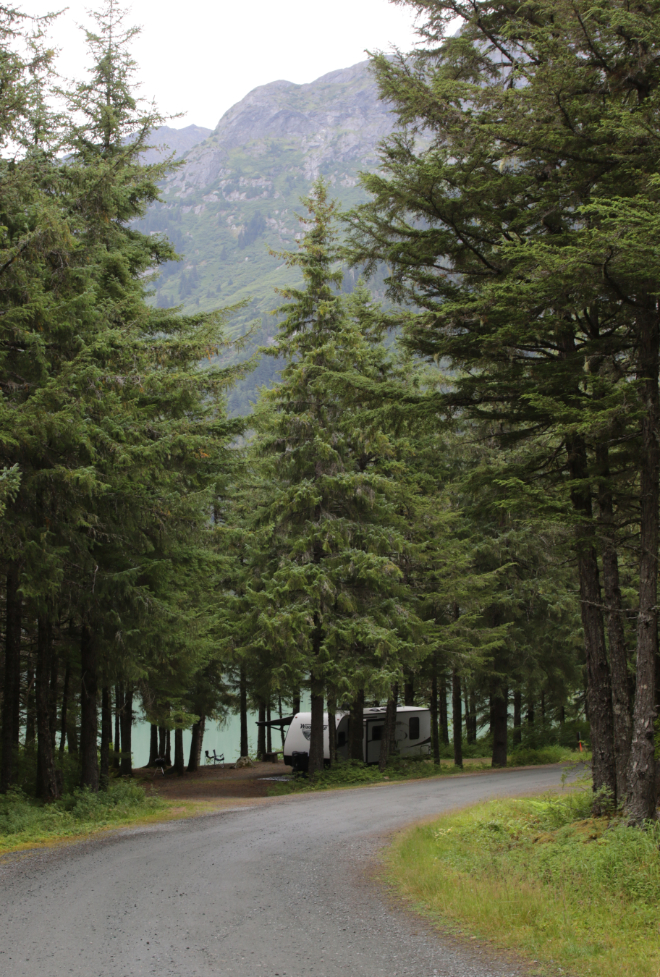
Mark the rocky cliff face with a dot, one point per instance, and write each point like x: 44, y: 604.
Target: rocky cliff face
x: 238, y: 191
x: 332, y: 125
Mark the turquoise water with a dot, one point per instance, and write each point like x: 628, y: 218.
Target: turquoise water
x: 223, y: 738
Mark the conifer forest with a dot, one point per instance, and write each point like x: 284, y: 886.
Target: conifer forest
x: 448, y: 497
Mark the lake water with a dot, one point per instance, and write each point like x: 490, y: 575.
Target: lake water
x: 223, y: 738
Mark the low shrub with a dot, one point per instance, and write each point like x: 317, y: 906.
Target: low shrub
x: 354, y: 773
x: 541, y: 736
x: 527, y: 756
x: 24, y: 820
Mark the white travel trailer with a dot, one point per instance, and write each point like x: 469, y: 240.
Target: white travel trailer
x: 412, y: 734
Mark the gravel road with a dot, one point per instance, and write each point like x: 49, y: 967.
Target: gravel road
x: 281, y: 889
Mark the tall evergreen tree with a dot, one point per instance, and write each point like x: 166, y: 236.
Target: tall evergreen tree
x: 166, y: 437
x: 333, y: 601
x: 120, y: 434
x: 527, y: 115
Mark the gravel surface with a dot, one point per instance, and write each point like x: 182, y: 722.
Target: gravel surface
x: 281, y: 889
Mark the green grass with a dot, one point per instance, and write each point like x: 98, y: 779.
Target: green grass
x: 355, y: 774
x: 573, y: 893
x: 525, y: 756
x: 25, y: 822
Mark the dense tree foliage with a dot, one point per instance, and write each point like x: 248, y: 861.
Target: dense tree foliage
x: 449, y: 502
x: 515, y: 207
x: 119, y: 436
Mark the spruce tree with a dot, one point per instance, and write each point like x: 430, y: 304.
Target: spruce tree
x: 333, y: 603
x: 528, y: 119
x: 120, y: 435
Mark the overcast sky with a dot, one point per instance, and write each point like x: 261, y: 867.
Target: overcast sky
x: 199, y: 58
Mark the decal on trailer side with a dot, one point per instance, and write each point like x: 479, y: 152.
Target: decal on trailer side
x: 307, y: 730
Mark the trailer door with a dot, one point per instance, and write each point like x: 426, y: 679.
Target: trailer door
x: 374, y: 731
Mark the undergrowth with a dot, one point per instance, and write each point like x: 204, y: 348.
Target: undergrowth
x: 527, y: 756
x: 572, y: 892
x: 353, y: 773
x: 25, y: 821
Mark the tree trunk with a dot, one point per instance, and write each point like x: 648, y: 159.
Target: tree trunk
x: 456, y: 718
x: 387, y: 739
x: 269, y: 736
x: 530, y: 712
x: 599, y: 691
x: 106, y: 735
x: 261, y: 732
x: 433, y: 707
x: 162, y: 741
x: 179, y: 762
x: 316, y: 738
x: 279, y: 712
x: 47, y: 786
x: 168, y: 747
x: 517, y: 718
x: 622, y: 714
x: 500, y: 722
x: 126, y: 723
x: 641, y: 800
x: 65, y: 706
x: 470, y: 717
x: 12, y: 677
x: 89, y: 765
x: 356, y: 728
x: 16, y: 626
x: 391, y: 720
x: 71, y: 734
x: 332, y: 724
x: 195, y: 757
x: 153, y: 745
x: 409, y: 690
x: 119, y: 705
x: 30, y: 704
x: 444, y: 716
x: 243, y: 707
x: 52, y: 694
x: 599, y: 686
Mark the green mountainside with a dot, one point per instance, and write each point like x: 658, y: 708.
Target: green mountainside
x: 237, y: 193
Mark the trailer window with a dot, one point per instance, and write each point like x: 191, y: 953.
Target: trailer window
x: 413, y: 728
x: 376, y: 732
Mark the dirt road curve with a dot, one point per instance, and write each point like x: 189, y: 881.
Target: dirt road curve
x: 281, y: 889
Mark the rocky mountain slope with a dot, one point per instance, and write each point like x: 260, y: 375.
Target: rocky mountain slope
x: 236, y: 196
x: 167, y: 140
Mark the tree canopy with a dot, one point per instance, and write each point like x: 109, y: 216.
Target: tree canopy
x: 449, y: 498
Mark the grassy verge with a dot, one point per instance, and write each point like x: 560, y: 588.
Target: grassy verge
x: 355, y: 774
x: 26, y: 823
x: 571, y: 893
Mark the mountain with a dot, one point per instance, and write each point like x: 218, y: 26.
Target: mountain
x: 236, y: 195
x: 167, y: 140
